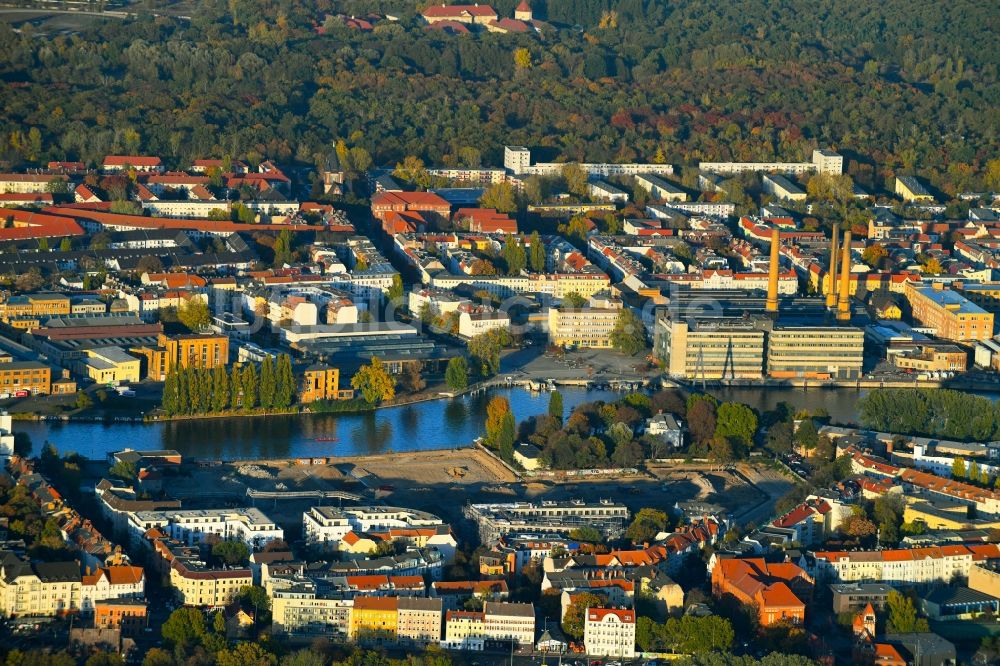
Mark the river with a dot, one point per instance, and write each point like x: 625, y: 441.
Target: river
x: 435, y: 424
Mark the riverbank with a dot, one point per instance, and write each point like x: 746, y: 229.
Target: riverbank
x: 957, y: 383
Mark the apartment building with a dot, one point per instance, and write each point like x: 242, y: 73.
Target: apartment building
x: 375, y: 620
x: 951, y: 315
x: 463, y: 630
x: 986, y: 502
x: 815, y: 352
x: 504, y: 621
x: 517, y: 160
x: 588, y: 328
x: 471, y: 324
x: 42, y: 589
x: 28, y: 183
x: 419, y: 621
x: 30, y: 376
x: 900, y: 567
x: 495, y: 520
x: 823, y: 161
x: 115, y: 582
x: 660, y: 189
x: 249, y: 525
x: 327, y: 526
x: 38, y: 305
x: 126, y: 615
x: 196, y: 584
x: 710, y: 348
x: 303, y: 611
x: 609, y: 632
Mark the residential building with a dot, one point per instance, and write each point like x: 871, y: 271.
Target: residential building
x: 463, y: 630
x: 375, y: 620
x: 419, y: 621
x: 609, y: 632
x: 852, y: 597
x: 110, y: 365
x: 196, y: 584
x: 249, y: 525
x: 582, y: 327
x: 668, y: 428
x: 660, y: 189
x: 327, y: 526
x: 495, y: 520
x: 823, y: 161
x: 115, y: 582
x: 139, y: 163
x: 601, y: 191
x: 471, y: 324
x: 901, y: 567
x: 951, y: 315
x: 504, y: 621
x: 828, y: 162
x: 303, y: 611
x: 38, y: 589
x: 528, y: 456
x: 129, y: 616
x: 322, y: 382
x: 517, y: 160
x: 470, y: 14
x: 773, y: 588
x: 986, y: 502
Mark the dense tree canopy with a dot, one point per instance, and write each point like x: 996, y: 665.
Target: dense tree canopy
x: 896, y: 86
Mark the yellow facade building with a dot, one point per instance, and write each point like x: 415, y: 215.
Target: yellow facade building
x: 185, y: 351
x: 31, y: 376
x: 111, y: 365
x: 374, y: 620
x: 322, y: 382
x: 43, y: 589
x: 194, y: 584
x: 582, y: 327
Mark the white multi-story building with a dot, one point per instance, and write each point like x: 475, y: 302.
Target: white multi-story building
x: 327, y: 525
x: 903, y: 567
x: 248, y: 525
x: 609, y: 632
x: 517, y: 160
x: 660, y: 189
x: 471, y: 324
x: 117, y: 582
x: 509, y: 621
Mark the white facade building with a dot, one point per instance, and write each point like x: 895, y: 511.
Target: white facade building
x: 248, y: 525
x: 609, y: 632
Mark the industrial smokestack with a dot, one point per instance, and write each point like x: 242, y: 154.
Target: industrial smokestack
x: 831, y: 292
x: 843, y: 305
x: 772, y: 274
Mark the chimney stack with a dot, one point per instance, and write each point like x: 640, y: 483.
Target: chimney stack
x: 772, y: 273
x: 831, y: 294
x: 843, y: 304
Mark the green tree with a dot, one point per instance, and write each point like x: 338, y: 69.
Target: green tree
x: 231, y: 551
x: 285, y: 388
x: 536, y: 256
x: 572, y: 624
x: 245, y: 654
x: 586, y: 534
x: 395, y: 292
x: 124, y: 470
x: 65, y: 245
x: 268, y: 384
x: 158, y: 657
x: 576, y: 179
x: 499, y: 196
x: 456, y: 375
x: 376, y: 385
x: 83, y: 400
x: 556, y: 405
x: 628, y: 335
x: 220, y: 389
x: 574, y: 300
x: 194, y: 314
x: 737, y: 422
x: 412, y: 169
x: 903, y: 615
x: 184, y: 628
x: 646, y: 525
x: 958, y: 468
x: 249, y: 385
x: 485, y: 350
x: 513, y: 255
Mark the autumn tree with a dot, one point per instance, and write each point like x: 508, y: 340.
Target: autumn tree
x: 194, y: 314
x: 536, y: 256
x: 374, y: 382
x: 572, y: 624
x: 629, y: 334
x: 499, y: 196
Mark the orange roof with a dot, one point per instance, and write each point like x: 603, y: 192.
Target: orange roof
x: 598, y: 614
x: 444, y: 11
x: 779, y: 594
x: 125, y: 575
x: 29, y: 224
x: 131, y: 160
x: 407, y: 581
x: 375, y: 603
x: 94, y: 214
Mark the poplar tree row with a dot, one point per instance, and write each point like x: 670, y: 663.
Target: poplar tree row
x: 202, y: 390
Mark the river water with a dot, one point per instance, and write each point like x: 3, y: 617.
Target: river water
x: 436, y: 424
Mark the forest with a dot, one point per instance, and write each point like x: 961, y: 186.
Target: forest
x: 897, y: 86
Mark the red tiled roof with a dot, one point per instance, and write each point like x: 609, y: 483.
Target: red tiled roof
x: 445, y: 11
x: 131, y: 160
x: 598, y: 614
